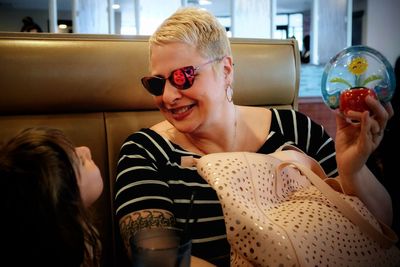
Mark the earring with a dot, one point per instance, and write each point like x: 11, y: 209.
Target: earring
x: 229, y: 93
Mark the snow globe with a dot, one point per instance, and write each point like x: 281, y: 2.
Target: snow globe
x: 354, y: 73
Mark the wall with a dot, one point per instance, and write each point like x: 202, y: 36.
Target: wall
x: 331, y: 28
x: 383, y: 27
x: 93, y: 16
x: 252, y: 18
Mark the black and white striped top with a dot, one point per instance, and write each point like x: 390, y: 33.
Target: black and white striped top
x: 150, y: 176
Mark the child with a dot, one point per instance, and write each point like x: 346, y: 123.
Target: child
x: 47, y: 185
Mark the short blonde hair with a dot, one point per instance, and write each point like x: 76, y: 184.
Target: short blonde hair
x: 196, y: 27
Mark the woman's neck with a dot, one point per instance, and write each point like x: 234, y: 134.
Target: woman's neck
x: 222, y: 138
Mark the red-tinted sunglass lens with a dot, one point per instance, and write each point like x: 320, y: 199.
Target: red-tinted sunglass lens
x: 155, y: 85
x: 189, y: 71
x: 182, y: 78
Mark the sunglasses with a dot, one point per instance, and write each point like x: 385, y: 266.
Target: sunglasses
x: 182, y: 79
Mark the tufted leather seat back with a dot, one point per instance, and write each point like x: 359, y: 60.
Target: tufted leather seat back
x: 89, y: 87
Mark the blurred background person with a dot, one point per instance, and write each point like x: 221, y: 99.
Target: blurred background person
x: 30, y: 25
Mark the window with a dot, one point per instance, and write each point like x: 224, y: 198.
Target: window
x: 290, y: 26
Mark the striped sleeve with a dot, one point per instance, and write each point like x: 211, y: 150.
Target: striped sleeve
x: 138, y: 184
x: 150, y: 175
x: 300, y: 130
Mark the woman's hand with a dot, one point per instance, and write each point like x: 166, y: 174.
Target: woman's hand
x: 197, y: 262
x: 359, y: 134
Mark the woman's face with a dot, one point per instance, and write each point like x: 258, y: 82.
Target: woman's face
x: 179, y: 77
x: 198, y: 107
x: 90, y: 181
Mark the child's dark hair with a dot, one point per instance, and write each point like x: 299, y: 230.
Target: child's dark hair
x: 45, y: 221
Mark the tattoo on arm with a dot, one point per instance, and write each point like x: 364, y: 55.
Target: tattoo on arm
x: 135, y: 221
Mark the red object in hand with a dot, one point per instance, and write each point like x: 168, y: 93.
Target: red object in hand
x: 354, y: 99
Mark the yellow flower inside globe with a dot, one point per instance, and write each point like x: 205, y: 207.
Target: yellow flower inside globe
x: 358, y: 66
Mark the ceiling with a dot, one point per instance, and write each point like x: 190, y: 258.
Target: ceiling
x: 283, y: 6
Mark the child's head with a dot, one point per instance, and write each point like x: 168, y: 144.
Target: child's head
x: 47, y: 184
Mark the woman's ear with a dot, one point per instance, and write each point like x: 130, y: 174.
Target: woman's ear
x: 228, y: 69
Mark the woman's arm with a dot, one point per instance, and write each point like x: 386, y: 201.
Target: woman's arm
x: 354, y: 144
x: 136, y: 221
x: 197, y: 262
x: 371, y: 192
x: 133, y: 222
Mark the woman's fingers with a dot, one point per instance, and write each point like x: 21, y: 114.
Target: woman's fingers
x: 379, y: 112
x: 376, y: 119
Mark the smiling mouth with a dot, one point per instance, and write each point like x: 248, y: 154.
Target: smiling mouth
x: 181, y: 110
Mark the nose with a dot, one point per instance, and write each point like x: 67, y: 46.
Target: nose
x: 83, y: 151
x: 170, y: 94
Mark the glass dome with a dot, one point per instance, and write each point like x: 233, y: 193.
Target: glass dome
x: 352, y: 74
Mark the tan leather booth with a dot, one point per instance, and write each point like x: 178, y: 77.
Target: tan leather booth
x: 89, y: 87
